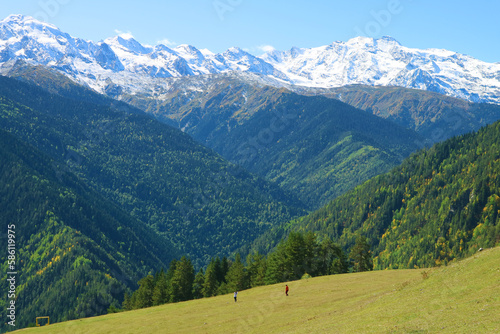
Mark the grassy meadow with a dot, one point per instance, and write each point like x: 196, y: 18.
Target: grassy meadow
x: 463, y: 297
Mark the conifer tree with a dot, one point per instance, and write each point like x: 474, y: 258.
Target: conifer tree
x: 145, y: 292
x: 295, y: 255
x: 276, y: 266
x: 236, y: 277
x: 256, y: 268
x: 210, y: 284
x: 224, y: 269
x: 199, y: 280
x: 361, y: 255
x: 181, y: 284
x: 161, y: 289
x: 127, y: 303
x: 171, y: 270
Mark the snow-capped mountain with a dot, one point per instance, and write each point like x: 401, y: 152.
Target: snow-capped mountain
x: 122, y: 65
x: 385, y: 62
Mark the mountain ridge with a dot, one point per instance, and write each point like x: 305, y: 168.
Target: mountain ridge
x: 138, y: 69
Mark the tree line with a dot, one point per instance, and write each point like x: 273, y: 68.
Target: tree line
x: 301, y: 255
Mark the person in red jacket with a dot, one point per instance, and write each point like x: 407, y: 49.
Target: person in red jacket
x: 286, y: 290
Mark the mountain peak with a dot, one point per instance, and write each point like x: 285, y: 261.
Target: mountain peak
x: 235, y: 50
x: 126, y: 41
x: 19, y: 19
x: 188, y: 52
x: 16, y: 18
x: 186, y: 48
x: 363, y: 42
x: 360, y: 40
x: 389, y: 39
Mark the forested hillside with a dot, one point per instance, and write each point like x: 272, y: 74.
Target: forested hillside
x: 159, y: 175
x: 315, y: 147
x: 435, y: 116
x: 75, y: 253
x: 440, y: 204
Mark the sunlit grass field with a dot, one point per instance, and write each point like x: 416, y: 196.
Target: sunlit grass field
x: 463, y: 297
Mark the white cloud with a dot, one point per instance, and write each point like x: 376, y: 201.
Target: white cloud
x: 124, y: 35
x: 166, y: 42
x: 266, y: 48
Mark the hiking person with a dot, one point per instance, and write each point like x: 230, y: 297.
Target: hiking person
x: 235, y: 294
x: 286, y: 290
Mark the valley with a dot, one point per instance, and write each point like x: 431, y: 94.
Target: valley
x: 363, y: 174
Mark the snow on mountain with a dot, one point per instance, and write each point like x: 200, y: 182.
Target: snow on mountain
x: 123, y: 62
x: 385, y: 62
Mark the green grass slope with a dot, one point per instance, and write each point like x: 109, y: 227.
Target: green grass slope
x: 463, y: 297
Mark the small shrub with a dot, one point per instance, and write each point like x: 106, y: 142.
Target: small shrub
x: 306, y: 276
x: 425, y: 274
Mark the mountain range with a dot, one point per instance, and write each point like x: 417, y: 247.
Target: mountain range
x: 117, y: 157
x: 122, y: 66
x: 311, y: 146
x: 227, y: 100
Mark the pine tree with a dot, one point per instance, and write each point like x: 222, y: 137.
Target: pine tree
x: 218, y: 270
x: 181, y: 284
x: 171, y: 270
x: 276, y: 266
x: 210, y: 284
x: 144, y: 295
x: 361, y: 255
x: 311, y: 249
x: 236, y: 277
x: 127, y: 304
x: 160, y: 292
x: 256, y: 268
x: 330, y: 259
x: 224, y: 266
x: 199, y: 280
x: 295, y: 255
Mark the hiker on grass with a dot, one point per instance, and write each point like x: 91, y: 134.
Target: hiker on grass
x: 235, y: 294
x: 286, y: 290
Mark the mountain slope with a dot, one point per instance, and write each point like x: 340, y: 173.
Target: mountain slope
x: 262, y: 128
x: 440, y: 204
x: 435, y: 116
x: 75, y: 252
x: 460, y: 298
x: 186, y: 192
x: 122, y: 66
x: 314, y: 147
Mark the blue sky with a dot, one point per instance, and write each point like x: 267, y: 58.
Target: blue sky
x: 469, y: 27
